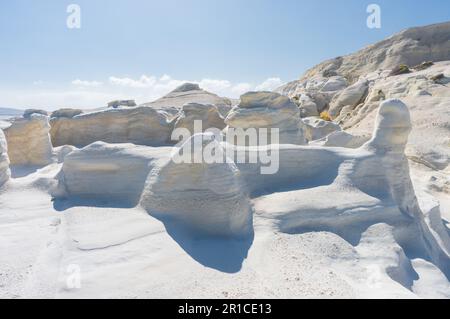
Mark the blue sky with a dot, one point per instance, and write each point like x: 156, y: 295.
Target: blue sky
x: 141, y: 49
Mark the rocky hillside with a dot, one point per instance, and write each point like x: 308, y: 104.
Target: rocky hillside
x: 404, y: 66
x: 410, y: 47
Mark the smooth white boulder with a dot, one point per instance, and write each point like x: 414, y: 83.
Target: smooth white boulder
x: 29, y: 140
x: 268, y: 110
x: 4, y: 160
x: 139, y: 125
x: 209, y: 198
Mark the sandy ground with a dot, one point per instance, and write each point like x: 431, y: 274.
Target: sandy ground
x: 49, y: 250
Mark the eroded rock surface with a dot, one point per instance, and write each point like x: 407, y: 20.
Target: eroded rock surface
x: 29, y: 140
x: 268, y: 110
x: 209, y: 198
x: 140, y: 125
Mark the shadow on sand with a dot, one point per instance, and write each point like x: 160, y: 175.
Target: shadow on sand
x: 224, y: 254
x: 23, y: 171
x: 61, y: 205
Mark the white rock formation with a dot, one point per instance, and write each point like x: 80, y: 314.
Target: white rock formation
x: 424, y: 89
x: 208, y: 114
x: 110, y: 172
x: 316, y: 128
x: 208, y: 198
x: 307, y: 106
x: 268, y: 110
x: 335, y: 83
x: 4, y: 160
x: 362, y: 187
x: 140, y: 125
x: 351, y: 96
x: 189, y: 93
x: 29, y: 141
x: 428, y: 141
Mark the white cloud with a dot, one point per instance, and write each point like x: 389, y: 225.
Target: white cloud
x: 240, y: 88
x: 79, y: 82
x: 143, y: 82
x: 165, y: 78
x: 269, y: 85
x: 93, y: 94
x: 214, y: 85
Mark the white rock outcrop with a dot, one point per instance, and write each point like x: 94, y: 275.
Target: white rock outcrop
x: 4, y: 160
x: 108, y: 172
x: 140, y: 125
x: 29, y: 140
x: 207, y: 114
x: 307, y: 106
x: 268, y: 110
x: 351, y: 96
x: 207, y: 198
x: 316, y: 128
x: 428, y: 141
x: 335, y: 83
x: 362, y: 186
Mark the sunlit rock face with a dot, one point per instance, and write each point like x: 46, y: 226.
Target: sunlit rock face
x: 316, y: 128
x: 268, y: 110
x: 350, y: 97
x: 140, y: 125
x: 4, y: 160
x: 209, y: 198
x: 206, y: 116
x: 29, y: 140
x: 109, y: 172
